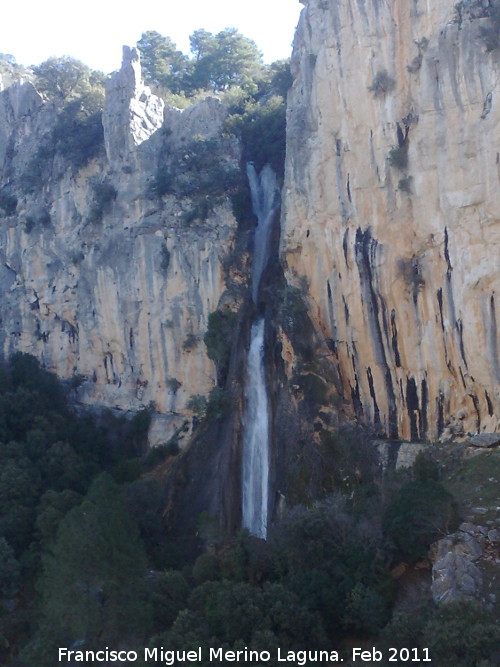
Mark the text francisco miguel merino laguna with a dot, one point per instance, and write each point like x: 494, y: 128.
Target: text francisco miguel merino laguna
x: 174, y: 657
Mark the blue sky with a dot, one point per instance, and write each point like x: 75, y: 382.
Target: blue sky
x: 95, y: 31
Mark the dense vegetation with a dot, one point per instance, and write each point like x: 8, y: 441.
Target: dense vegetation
x: 85, y: 557
x: 77, y: 94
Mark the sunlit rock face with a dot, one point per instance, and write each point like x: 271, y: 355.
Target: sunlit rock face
x: 100, y: 276
x: 401, y: 249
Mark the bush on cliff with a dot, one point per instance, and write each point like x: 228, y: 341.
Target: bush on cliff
x: 219, y: 339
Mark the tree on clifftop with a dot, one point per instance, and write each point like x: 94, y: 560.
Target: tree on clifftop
x: 162, y: 64
x: 62, y: 78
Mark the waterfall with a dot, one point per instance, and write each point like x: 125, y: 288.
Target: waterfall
x: 255, y: 470
x: 256, y: 438
x: 265, y: 202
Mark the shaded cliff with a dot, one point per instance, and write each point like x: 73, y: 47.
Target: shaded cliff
x: 111, y: 265
x: 391, y: 207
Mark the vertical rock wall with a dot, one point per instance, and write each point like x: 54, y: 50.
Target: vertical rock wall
x: 121, y: 296
x: 392, y: 208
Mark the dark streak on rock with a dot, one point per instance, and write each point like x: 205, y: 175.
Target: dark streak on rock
x: 346, y: 310
x: 401, y: 136
x: 439, y: 295
x: 394, y: 339
x: 345, y: 243
x: 475, y: 401
x: 376, y: 411
x: 413, y: 408
x: 489, y: 403
x: 447, y: 253
x: 365, y: 250
x: 440, y: 413
x: 493, y: 340
x: 356, y: 401
x: 424, y: 423
x: 460, y: 331
x: 333, y: 326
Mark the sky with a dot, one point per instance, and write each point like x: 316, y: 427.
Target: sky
x: 95, y: 30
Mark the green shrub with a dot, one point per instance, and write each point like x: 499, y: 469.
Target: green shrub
x: 425, y: 469
x: 218, y: 403
x: 159, y: 453
x: 39, y: 168
x: 490, y: 34
x: 332, y: 563
x: 170, y: 596
x: 206, y: 568
x: 405, y: 184
x: 77, y: 257
x: 262, y: 127
x: 215, y: 407
x: 198, y: 405
x: 174, y: 385
x: 29, y: 225
x: 411, y: 271
x: 462, y: 634
x: 191, y: 342
x: 219, y: 339
x: 78, y: 134
x: 198, y: 170
x: 292, y: 304
x: 165, y: 259
x: 163, y: 181
x: 61, y: 79
x: 366, y: 610
x: 398, y: 156
x: 8, y: 203
x: 238, y: 615
x: 104, y: 195
x: 382, y: 84
x: 42, y: 218
x: 419, y: 513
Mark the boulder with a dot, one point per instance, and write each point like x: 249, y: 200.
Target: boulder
x: 484, y: 440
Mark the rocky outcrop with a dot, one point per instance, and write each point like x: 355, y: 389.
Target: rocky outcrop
x: 459, y: 561
x: 104, y: 277
x: 391, y: 208
x: 455, y: 574
x: 132, y: 114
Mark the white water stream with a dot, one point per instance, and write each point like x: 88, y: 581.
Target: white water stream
x: 256, y: 438
x: 255, y: 473
x: 265, y: 201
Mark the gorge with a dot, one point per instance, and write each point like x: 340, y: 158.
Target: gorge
x: 382, y: 306
x: 249, y: 348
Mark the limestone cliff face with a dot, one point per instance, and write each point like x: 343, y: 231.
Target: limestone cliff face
x: 101, y: 276
x: 392, y: 207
